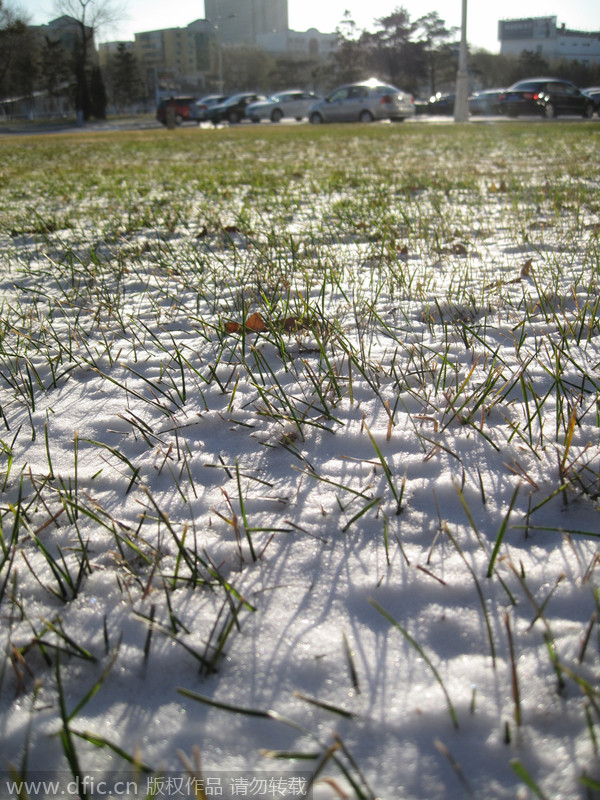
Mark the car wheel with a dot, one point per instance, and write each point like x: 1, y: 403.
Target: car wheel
x: 276, y: 115
x: 233, y: 117
x: 549, y: 111
x: 588, y: 111
x: 178, y: 119
x: 316, y: 118
x: 365, y: 116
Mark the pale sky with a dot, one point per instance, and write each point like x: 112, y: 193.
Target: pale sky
x: 482, y: 18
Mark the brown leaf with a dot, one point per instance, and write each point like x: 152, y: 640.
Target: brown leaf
x: 290, y: 324
x: 255, y: 323
x: 527, y: 268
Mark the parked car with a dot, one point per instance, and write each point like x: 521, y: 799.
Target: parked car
x: 363, y: 102
x: 295, y: 104
x: 441, y: 103
x: 594, y: 93
x: 205, y: 103
x: 233, y: 109
x: 182, y: 109
x: 545, y: 96
x: 420, y: 105
x: 485, y: 102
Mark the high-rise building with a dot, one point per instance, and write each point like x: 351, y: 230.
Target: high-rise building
x: 243, y: 21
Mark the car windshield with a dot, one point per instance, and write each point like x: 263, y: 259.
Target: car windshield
x: 235, y: 99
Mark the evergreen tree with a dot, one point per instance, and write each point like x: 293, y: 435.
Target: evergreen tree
x: 98, y: 98
x: 126, y: 84
x: 55, y: 69
x: 13, y: 29
x: 439, y: 54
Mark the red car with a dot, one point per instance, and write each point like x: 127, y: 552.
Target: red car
x: 182, y: 108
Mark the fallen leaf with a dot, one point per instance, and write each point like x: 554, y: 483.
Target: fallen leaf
x: 527, y: 268
x: 255, y: 323
x: 292, y: 323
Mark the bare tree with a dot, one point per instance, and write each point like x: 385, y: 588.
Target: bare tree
x: 88, y: 17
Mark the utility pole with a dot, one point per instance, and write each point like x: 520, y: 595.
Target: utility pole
x: 461, y: 102
x: 220, y: 59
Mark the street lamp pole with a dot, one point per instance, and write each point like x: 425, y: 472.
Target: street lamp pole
x: 220, y: 59
x: 461, y: 102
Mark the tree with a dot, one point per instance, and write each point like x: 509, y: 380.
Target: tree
x: 123, y: 77
x: 530, y: 63
x: 55, y: 69
x: 393, y: 51
x: 440, y: 57
x: 288, y: 72
x: 13, y: 28
x: 246, y: 68
x: 491, y: 70
x: 350, y: 59
x: 87, y: 16
x: 98, y: 98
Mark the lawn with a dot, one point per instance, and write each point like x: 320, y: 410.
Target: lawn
x: 300, y: 462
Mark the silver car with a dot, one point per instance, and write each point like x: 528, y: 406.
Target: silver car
x: 295, y: 104
x: 363, y: 102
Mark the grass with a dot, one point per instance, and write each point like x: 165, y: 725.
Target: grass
x: 276, y: 281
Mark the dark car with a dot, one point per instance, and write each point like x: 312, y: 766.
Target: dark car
x: 547, y: 97
x: 182, y: 109
x: 441, y: 103
x: 205, y: 103
x: 233, y: 109
x: 594, y: 93
x: 485, y: 102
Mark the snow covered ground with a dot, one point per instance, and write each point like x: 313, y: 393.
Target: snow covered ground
x: 302, y: 478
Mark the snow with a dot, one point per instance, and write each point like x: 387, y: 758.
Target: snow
x: 163, y: 464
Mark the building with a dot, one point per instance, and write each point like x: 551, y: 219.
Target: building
x: 189, y: 60
x: 67, y: 31
x: 311, y: 44
x: 175, y: 58
x: 243, y: 21
x: 543, y: 36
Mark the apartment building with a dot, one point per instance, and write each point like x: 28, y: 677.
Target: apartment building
x: 243, y: 21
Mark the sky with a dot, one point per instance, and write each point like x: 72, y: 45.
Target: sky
x: 482, y: 24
